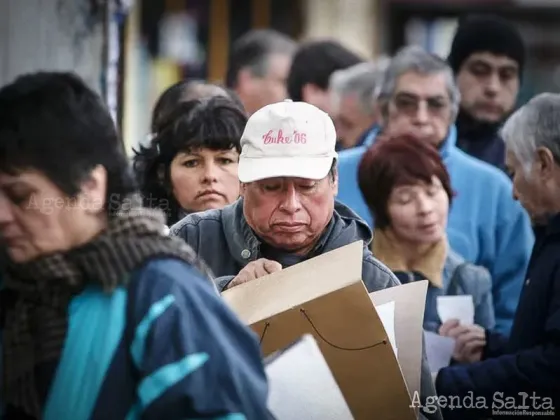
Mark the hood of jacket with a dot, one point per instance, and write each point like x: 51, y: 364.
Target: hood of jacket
x: 344, y: 228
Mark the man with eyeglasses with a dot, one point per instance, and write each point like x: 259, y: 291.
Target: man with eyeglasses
x: 486, y: 225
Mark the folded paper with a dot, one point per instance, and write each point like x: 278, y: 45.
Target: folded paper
x: 301, y: 385
x: 439, y: 350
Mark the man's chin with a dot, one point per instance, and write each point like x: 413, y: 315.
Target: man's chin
x: 490, y: 119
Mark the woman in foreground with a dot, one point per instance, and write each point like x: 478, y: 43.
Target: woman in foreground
x: 103, y: 316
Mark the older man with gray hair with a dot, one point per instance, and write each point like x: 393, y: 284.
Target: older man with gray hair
x: 486, y: 226
x: 353, y: 106
x: 529, y: 363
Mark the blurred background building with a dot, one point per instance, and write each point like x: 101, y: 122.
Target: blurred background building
x: 131, y: 50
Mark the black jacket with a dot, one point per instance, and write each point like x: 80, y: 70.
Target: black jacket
x: 529, y: 362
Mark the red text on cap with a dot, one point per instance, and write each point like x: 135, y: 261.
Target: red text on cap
x: 278, y: 137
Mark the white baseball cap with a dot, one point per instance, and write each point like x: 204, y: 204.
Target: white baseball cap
x: 292, y: 139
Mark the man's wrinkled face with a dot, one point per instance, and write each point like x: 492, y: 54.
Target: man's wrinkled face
x: 489, y: 85
x: 290, y: 214
x: 536, y: 189
x: 420, y: 106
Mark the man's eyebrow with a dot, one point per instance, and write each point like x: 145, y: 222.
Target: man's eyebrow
x: 415, y: 96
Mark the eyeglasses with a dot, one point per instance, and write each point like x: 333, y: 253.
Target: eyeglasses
x: 411, y: 104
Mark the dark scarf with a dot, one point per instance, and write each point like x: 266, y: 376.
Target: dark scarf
x: 36, y: 295
x: 470, y: 130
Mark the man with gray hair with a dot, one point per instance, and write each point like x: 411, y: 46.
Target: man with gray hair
x: 529, y: 362
x: 486, y: 226
x: 353, y: 108
x: 258, y: 67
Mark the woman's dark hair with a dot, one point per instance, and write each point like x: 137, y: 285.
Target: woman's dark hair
x: 215, y: 123
x: 396, y: 161
x: 54, y: 123
x: 185, y: 91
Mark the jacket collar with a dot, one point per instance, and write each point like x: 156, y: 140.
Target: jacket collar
x: 388, y: 250
x: 449, y: 143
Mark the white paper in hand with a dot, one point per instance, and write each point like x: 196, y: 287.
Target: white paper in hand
x: 456, y: 307
x: 386, y: 313
x: 301, y: 385
x: 439, y: 350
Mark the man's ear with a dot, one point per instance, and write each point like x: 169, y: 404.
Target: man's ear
x: 545, y: 163
x: 242, y: 189
x: 382, y: 109
x: 244, y: 80
x: 94, y: 190
x: 309, y: 92
x: 333, y: 179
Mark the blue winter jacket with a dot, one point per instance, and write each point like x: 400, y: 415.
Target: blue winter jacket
x: 164, y: 347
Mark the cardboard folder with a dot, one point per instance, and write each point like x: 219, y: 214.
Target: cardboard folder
x: 326, y: 298
x: 410, y: 301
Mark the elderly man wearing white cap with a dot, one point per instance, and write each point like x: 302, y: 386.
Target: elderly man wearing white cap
x: 287, y: 211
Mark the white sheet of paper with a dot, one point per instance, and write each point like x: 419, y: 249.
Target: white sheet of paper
x: 439, y: 350
x: 301, y: 385
x: 456, y: 307
x: 386, y: 313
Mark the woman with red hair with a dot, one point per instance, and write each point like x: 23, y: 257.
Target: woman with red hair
x: 407, y: 188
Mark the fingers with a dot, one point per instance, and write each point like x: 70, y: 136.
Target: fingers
x: 447, y: 326
x: 242, y: 277
x: 255, y: 269
x: 271, y: 266
x: 471, y: 341
x: 260, y: 270
x: 473, y: 346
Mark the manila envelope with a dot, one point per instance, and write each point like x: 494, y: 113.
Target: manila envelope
x: 410, y: 300
x: 325, y: 297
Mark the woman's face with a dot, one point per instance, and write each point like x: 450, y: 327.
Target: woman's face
x: 205, y: 179
x: 37, y: 218
x: 418, y: 212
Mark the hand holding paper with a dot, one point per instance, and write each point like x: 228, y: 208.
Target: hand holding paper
x: 255, y: 269
x: 470, y: 340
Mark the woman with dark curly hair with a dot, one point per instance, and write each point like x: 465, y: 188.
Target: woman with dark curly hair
x: 190, y: 164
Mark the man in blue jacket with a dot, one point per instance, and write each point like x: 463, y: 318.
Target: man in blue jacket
x: 486, y: 226
x: 524, y: 372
